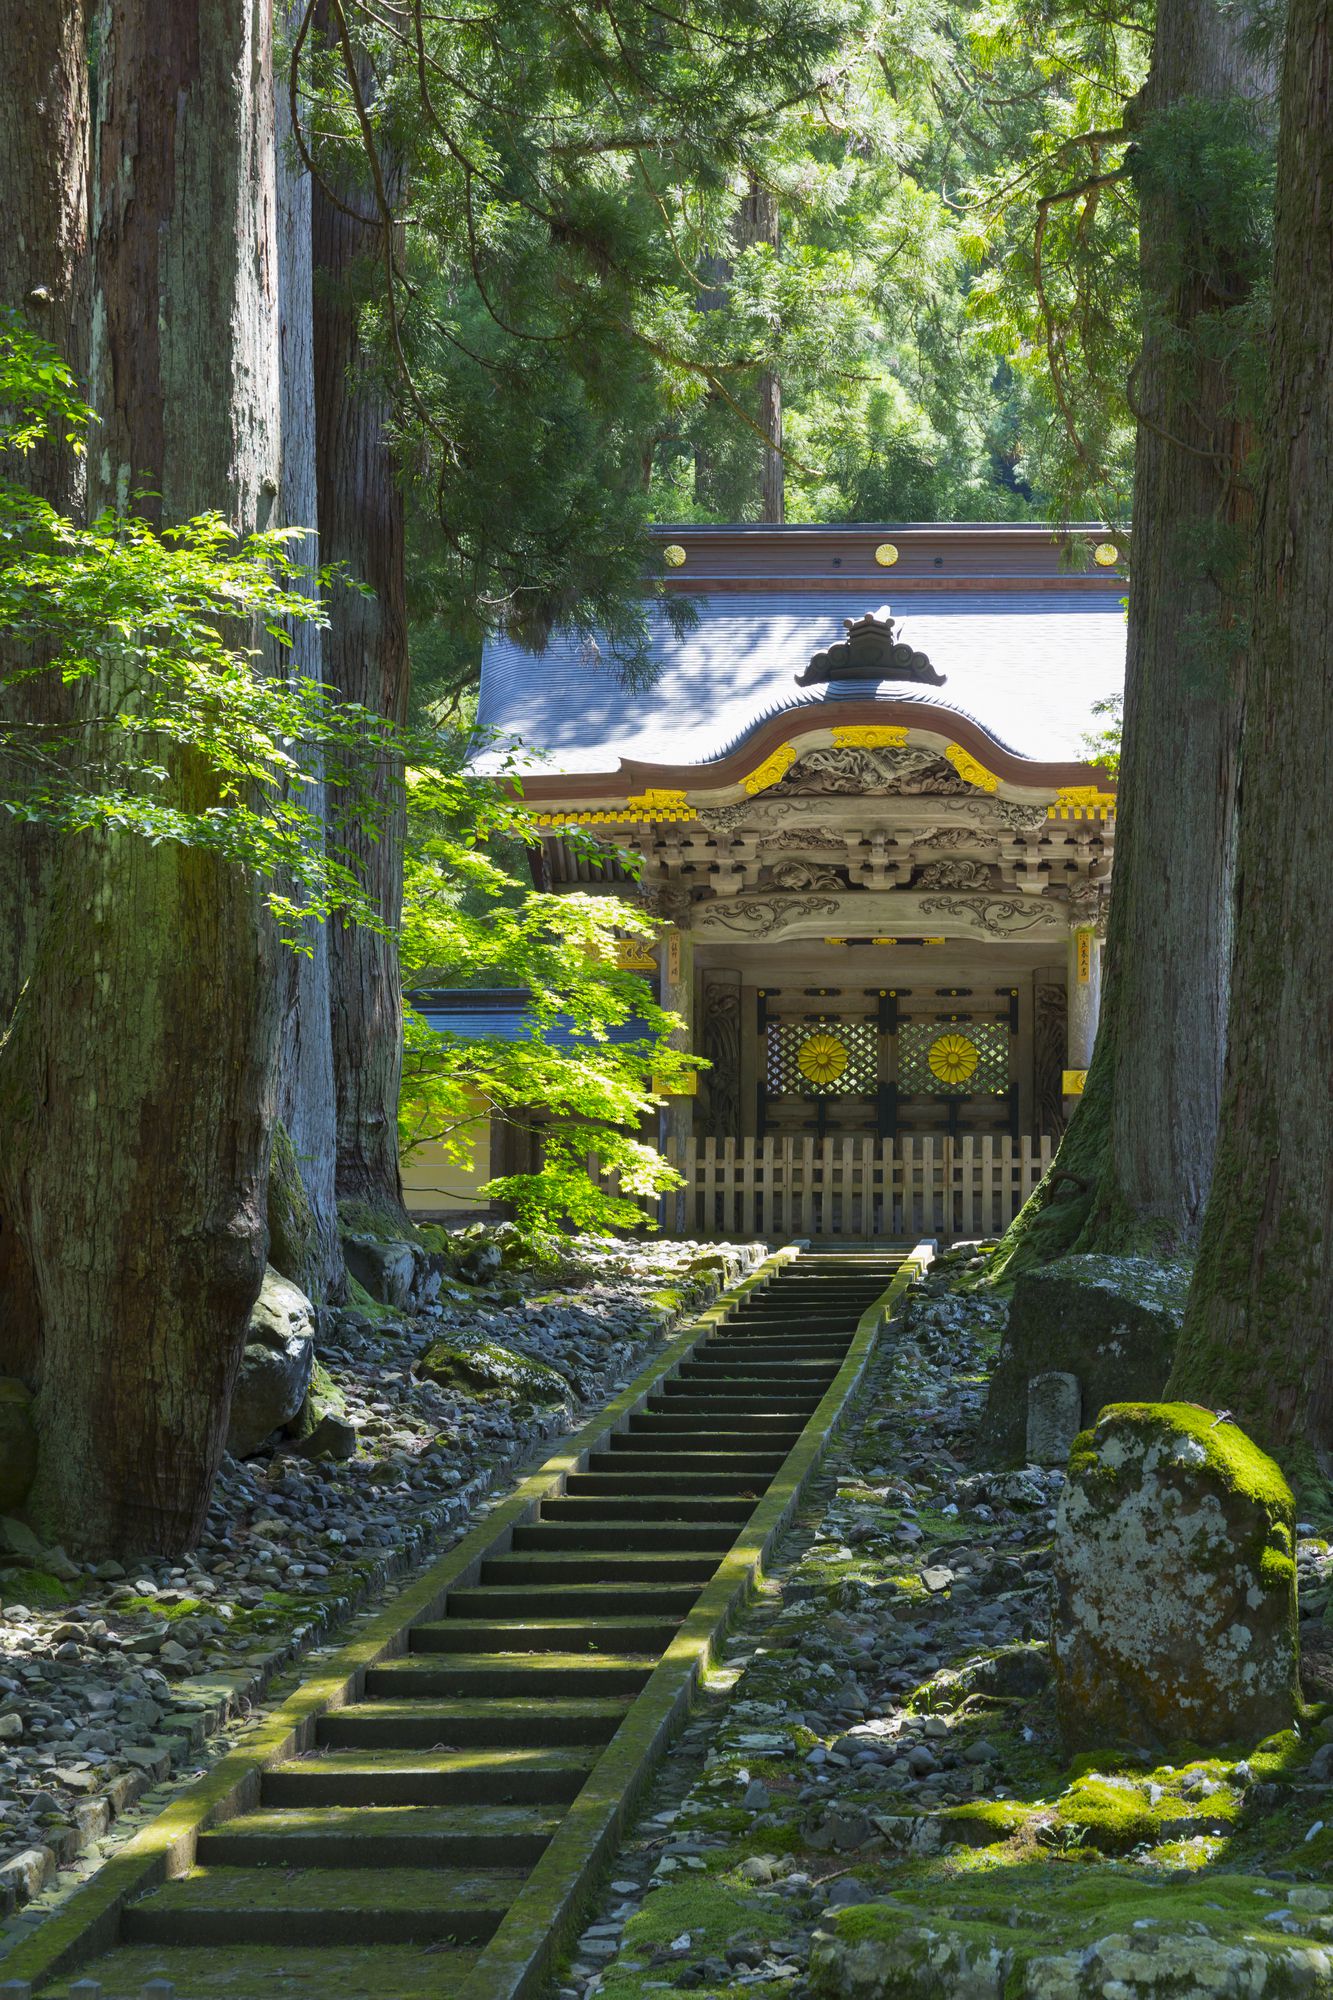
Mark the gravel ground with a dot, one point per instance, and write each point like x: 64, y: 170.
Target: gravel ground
x: 114, y: 1675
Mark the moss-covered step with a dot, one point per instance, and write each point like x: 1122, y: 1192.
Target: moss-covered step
x: 694, y: 1415
x: 282, y: 1972
x: 602, y: 1566
x: 547, y: 1635
x: 649, y: 1507
x: 535, y: 1675
x: 628, y: 1455
x: 545, y: 1536
x: 382, y: 1837
x: 573, y: 1599
x: 323, y: 1906
x: 662, y: 1479
x: 417, y: 1725
x: 486, y: 1774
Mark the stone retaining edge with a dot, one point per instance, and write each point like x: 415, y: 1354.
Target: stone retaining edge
x: 543, y: 1919
x: 165, y: 1849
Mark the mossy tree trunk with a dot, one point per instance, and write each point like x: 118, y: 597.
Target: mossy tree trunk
x: 44, y: 144
x: 303, y: 1212
x: 136, y: 1083
x: 1259, y: 1326
x: 361, y: 526
x: 1133, y: 1170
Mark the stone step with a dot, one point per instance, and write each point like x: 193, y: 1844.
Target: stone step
x: 631, y: 1457
x: 546, y: 1635
x: 573, y: 1599
x: 383, y: 1837
x: 583, y: 1506
x: 421, y: 1724
x: 486, y: 1776
x: 611, y: 1534
x: 691, y: 1418
x: 521, y: 1674
x: 226, y: 1907
x: 278, y: 1972
x: 666, y: 1480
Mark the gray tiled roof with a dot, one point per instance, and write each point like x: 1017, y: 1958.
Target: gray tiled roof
x: 1027, y: 666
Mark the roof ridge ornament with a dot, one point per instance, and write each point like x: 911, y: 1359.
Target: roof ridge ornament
x: 872, y: 651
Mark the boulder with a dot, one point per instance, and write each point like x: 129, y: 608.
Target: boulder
x: 333, y: 1437
x: 18, y: 1443
x: 1111, y: 1322
x: 1175, y: 1584
x: 275, y: 1367
x: 486, y: 1368
x: 384, y: 1266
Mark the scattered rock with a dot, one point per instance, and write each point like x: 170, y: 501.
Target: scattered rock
x: 1175, y: 1610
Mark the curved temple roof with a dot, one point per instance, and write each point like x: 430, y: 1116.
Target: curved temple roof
x: 1026, y: 649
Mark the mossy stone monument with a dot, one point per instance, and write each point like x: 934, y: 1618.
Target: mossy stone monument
x: 1175, y: 1584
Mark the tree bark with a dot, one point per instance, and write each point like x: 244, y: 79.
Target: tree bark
x: 1144, y: 1133
x: 760, y: 223
x: 361, y: 526
x: 136, y: 1085
x: 44, y: 141
x: 1259, y: 1326
x: 306, y: 1102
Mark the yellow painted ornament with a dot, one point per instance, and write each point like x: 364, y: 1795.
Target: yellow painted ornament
x: 953, y: 1058
x: 673, y: 555
x: 886, y: 555
x: 821, y: 1058
x: 1107, y: 554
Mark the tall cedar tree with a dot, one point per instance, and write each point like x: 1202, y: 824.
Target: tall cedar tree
x: 302, y: 1195
x: 1139, y: 1149
x: 137, y: 1077
x: 1259, y: 1325
x: 44, y: 134
x: 361, y: 527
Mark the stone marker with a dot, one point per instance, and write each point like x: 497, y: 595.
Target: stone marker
x: 1175, y: 1584
x: 1055, y: 1403
x: 1111, y: 1321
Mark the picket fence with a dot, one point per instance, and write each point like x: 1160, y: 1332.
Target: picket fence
x: 855, y: 1188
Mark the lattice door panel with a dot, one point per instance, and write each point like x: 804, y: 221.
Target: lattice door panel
x: 942, y: 1058
x: 822, y: 1055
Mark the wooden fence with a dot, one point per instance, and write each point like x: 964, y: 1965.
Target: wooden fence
x: 852, y: 1187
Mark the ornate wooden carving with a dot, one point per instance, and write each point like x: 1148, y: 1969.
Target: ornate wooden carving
x: 872, y: 651
x: 722, y: 1046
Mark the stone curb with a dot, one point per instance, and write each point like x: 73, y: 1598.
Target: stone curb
x: 544, y: 1917
x: 164, y: 1849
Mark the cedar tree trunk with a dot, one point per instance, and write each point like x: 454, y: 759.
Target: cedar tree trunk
x: 1259, y: 1325
x: 136, y: 1085
x: 1141, y: 1140
x: 44, y: 140
x: 361, y: 526
x: 302, y: 1197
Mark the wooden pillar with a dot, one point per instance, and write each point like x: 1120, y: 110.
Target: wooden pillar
x: 676, y: 989
x: 1085, y: 994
